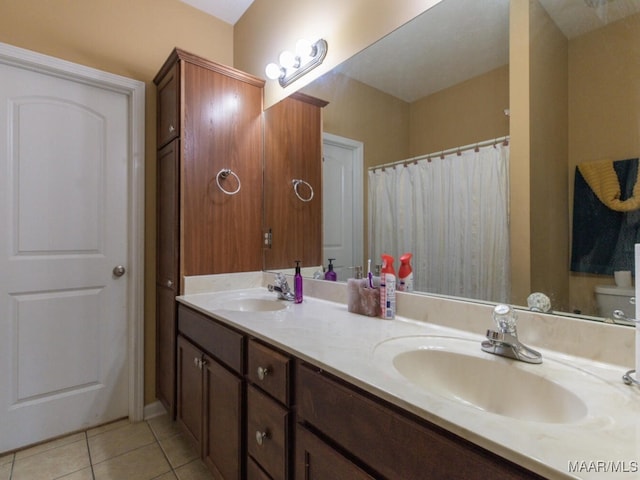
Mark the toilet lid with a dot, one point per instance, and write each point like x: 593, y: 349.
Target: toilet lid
x: 615, y: 290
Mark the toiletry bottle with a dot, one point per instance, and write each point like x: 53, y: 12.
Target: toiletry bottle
x: 405, y: 274
x: 387, y: 288
x: 297, y: 284
x: 331, y: 275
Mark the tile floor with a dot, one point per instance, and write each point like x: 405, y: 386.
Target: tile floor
x: 153, y: 449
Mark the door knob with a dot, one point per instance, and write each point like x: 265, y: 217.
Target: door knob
x: 118, y: 270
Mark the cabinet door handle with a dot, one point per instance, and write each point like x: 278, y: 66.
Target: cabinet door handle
x: 202, y: 363
x: 171, y: 129
x: 263, y: 372
x: 196, y: 362
x: 169, y: 283
x: 261, y: 437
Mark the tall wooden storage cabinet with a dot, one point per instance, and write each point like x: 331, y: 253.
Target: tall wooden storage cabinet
x: 293, y: 151
x: 209, y: 186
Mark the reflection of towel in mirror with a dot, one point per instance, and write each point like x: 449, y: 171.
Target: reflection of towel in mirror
x: 603, y: 238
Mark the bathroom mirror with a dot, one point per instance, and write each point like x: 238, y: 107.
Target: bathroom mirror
x: 597, y: 37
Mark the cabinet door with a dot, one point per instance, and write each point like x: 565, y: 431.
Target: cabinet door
x: 293, y: 151
x: 189, y: 390
x: 167, y: 218
x: 315, y: 460
x: 222, y: 448
x: 168, y: 126
x: 222, y: 130
x: 166, y: 347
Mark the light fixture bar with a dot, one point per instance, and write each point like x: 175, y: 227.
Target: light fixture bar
x: 318, y: 53
x: 291, y: 67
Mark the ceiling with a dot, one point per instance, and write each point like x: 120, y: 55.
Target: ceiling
x: 229, y: 11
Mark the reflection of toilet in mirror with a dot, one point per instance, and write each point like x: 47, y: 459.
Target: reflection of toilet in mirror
x: 613, y: 297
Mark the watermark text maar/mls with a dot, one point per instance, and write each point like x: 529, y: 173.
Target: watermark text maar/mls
x: 604, y: 466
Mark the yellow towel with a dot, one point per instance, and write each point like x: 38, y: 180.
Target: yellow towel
x: 602, y: 179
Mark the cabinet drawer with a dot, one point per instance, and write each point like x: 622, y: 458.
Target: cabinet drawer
x: 168, y: 126
x: 391, y: 443
x: 269, y: 370
x: 220, y: 342
x: 267, y: 433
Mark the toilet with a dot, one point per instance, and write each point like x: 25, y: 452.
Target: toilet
x: 612, y: 297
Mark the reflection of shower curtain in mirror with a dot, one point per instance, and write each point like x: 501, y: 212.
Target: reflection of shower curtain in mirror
x: 452, y: 214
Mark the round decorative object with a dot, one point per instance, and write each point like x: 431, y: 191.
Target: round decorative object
x: 538, y: 302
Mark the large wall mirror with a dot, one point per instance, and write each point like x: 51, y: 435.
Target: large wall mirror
x: 443, y: 83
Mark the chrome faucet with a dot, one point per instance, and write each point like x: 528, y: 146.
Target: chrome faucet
x: 504, y: 341
x: 282, y: 287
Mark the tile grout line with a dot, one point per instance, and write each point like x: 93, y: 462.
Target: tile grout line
x: 86, y: 438
x: 164, y: 454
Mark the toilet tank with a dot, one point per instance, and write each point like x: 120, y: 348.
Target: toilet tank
x: 612, y: 297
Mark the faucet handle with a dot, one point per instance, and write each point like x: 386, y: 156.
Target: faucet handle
x: 505, y: 318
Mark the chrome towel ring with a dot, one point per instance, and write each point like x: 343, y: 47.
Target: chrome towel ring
x: 297, y: 182
x: 224, y: 173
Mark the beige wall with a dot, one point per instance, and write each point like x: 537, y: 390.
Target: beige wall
x: 271, y: 26
x: 604, y: 114
x: 472, y: 111
x: 126, y: 38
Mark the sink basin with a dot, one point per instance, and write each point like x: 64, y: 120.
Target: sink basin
x: 254, y: 305
x: 458, y: 370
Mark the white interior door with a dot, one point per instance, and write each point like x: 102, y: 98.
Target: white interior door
x: 342, y: 203
x: 64, y: 211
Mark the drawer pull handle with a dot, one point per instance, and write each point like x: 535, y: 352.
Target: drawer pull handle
x: 263, y: 372
x: 261, y: 437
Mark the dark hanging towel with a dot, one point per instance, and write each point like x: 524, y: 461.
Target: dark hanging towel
x: 603, y: 239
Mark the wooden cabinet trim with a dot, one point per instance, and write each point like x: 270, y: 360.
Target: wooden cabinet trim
x: 178, y: 54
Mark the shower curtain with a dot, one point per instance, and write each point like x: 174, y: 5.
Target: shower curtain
x: 452, y: 214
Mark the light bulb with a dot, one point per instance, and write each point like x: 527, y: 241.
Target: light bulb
x: 273, y: 71
x: 304, y: 48
x: 288, y: 60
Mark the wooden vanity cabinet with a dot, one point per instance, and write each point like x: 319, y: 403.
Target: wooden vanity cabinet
x: 210, y: 391
x: 315, y: 460
x: 269, y: 420
x: 209, y: 120
x: 383, y: 440
x: 293, y: 151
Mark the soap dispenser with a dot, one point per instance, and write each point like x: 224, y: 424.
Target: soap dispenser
x: 331, y: 275
x: 297, y: 284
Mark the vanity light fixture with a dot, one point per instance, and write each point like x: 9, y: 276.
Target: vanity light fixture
x: 292, y: 66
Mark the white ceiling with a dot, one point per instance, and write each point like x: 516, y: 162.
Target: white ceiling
x: 229, y: 11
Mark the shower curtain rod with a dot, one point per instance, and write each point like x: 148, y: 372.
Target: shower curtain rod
x: 442, y: 153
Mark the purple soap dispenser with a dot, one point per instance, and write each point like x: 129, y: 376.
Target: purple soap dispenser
x: 297, y: 284
x: 331, y: 275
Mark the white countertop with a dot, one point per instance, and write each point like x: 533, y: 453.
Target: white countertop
x: 603, y: 444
